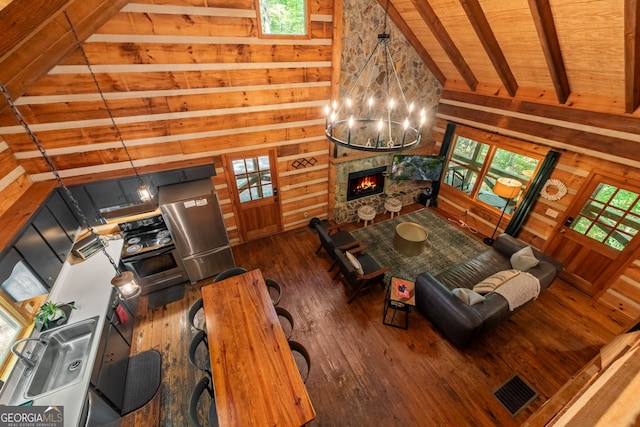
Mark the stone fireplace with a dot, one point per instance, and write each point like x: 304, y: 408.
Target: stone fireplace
x: 345, y: 207
x: 365, y: 183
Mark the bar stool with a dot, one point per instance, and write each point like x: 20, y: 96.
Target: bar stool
x: 302, y: 359
x: 235, y: 271
x: 212, y: 415
x: 274, y: 289
x: 393, y: 206
x: 204, y: 366
x: 286, y: 320
x: 193, y: 312
x: 366, y: 213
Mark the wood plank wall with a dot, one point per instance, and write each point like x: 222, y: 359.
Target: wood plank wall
x: 13, y: 178
x: 588, y: 141
x: 186, y: 80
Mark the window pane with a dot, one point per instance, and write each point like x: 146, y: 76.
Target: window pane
x: 267, y: 190
x: 254, y: 179
x: 624, y: 199
x: 265, y: 177
x: 263, y: 162
x: 283, y: 17
x: 241, y: 182
x: 238, y: 167
x: 598, y: 232
x: 581, y: 225
x: 603, y: 193
x: 255, y: 193
x: 245, y: 196
x: 9, y: 330
x: 252, y: 165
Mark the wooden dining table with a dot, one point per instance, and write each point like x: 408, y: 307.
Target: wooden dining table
x: 256, y: 379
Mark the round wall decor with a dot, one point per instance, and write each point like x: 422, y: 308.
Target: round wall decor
x: 553, y: 190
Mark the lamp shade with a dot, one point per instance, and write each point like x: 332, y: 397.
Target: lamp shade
x: 126, y: 285
x: 507, y: 188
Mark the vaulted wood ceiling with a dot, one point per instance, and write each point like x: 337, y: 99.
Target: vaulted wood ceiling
x: 554, y: 51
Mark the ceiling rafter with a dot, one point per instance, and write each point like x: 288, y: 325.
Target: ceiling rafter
x: 631, y: 55
x: 413, y: 40
x: 438, y: 30
x: 488, y: 39
x: 546, y: 28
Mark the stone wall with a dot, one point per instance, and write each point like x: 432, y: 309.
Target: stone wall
x: 363, y: 21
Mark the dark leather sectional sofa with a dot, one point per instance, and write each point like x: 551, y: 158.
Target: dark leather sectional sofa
x: 460, y: 323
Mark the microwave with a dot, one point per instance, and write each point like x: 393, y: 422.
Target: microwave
x: 88, y: 246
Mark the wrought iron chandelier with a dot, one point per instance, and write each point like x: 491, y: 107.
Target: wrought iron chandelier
x: 375, y: 114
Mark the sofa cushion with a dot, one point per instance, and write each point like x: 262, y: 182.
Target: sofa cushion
x: 494, y: 281
x: 356, y: 264
x: 524, y: 259
x: 467, y: 296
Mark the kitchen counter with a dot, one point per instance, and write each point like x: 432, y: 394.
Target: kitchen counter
x: 88, y: 284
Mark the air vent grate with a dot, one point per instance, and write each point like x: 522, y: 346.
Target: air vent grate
x: 515, y: 395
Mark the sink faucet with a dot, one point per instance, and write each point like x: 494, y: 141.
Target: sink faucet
x: 27, y: 360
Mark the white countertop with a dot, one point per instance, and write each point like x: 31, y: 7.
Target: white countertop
x: 88, y: 284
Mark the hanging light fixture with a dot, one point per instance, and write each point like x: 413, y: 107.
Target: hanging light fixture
x: 375, y: 114
x: 144, y: 190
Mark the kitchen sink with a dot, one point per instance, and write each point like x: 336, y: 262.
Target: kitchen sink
x: 64, y: 358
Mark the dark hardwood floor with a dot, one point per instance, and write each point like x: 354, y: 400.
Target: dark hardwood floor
x: 364, y: 373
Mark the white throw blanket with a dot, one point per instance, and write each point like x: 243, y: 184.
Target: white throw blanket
x: 520, y: 289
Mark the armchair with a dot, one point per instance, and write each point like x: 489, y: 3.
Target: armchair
x: 371, y: 273
x: 332, y: 238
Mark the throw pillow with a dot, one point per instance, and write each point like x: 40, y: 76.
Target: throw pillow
x: 495, y: 280
x: 524, y: 259
x: 356, y: 264
x: 467, y: 296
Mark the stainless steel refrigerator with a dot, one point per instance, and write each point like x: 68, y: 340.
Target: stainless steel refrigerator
x: 194, y: 218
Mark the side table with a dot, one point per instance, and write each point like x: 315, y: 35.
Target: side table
x: 394, y: 301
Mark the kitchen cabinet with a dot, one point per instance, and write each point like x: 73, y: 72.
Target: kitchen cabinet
x: 37, y: 252
x: 106, y: 193
x: 64, y: 214
x: 53, y: 233
x: 87, y: 206
x: 110, y: 369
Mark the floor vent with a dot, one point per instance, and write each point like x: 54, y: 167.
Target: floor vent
x: 515, y: 395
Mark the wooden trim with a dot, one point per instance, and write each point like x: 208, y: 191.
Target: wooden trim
x: 491, y: 46
x: 543, y: 19
x: 631, y: 55
x: 431, y: 19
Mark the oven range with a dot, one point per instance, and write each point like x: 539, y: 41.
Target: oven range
x: 150, y: 254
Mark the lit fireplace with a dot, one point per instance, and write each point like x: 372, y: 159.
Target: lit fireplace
x: 366, y: 183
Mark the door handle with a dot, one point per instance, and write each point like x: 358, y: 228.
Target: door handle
x: 568, y: 221
x: 275, y: 191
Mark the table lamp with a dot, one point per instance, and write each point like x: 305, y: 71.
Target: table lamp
x: 507, y: 188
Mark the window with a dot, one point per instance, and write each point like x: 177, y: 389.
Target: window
x: 253, y: 178
x: 9, y: 330
x: 611, y: 216
x: 283, y: 17
x: 475, y: 166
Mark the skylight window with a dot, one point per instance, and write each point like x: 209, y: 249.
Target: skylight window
x: 283, y: 17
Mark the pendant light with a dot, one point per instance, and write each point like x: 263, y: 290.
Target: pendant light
x: 144, y: 191
x: 371, y: 119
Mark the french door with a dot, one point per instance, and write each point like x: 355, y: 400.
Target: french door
x: 600, y: 234
x: 255, y: 193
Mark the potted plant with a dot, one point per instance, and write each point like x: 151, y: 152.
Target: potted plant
x: 55, y: 313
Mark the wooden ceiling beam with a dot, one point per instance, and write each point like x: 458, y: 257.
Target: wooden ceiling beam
x: 546, y: 28
x: 438, y: 30
x: 631, y: 55
x: 488, y: 39
x: 413, y: 40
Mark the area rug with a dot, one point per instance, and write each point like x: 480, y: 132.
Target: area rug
x: 446, y: 245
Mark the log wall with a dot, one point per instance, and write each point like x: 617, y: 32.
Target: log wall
x: 186, y: 81
x: 587, y: 141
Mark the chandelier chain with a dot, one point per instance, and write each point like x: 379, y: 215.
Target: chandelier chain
x: 54, y: 171
x: 104, y: 99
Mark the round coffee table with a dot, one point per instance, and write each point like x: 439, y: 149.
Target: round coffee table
x: 410, y: 238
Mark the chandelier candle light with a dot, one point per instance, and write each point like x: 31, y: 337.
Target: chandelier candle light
x: 375, y: 116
